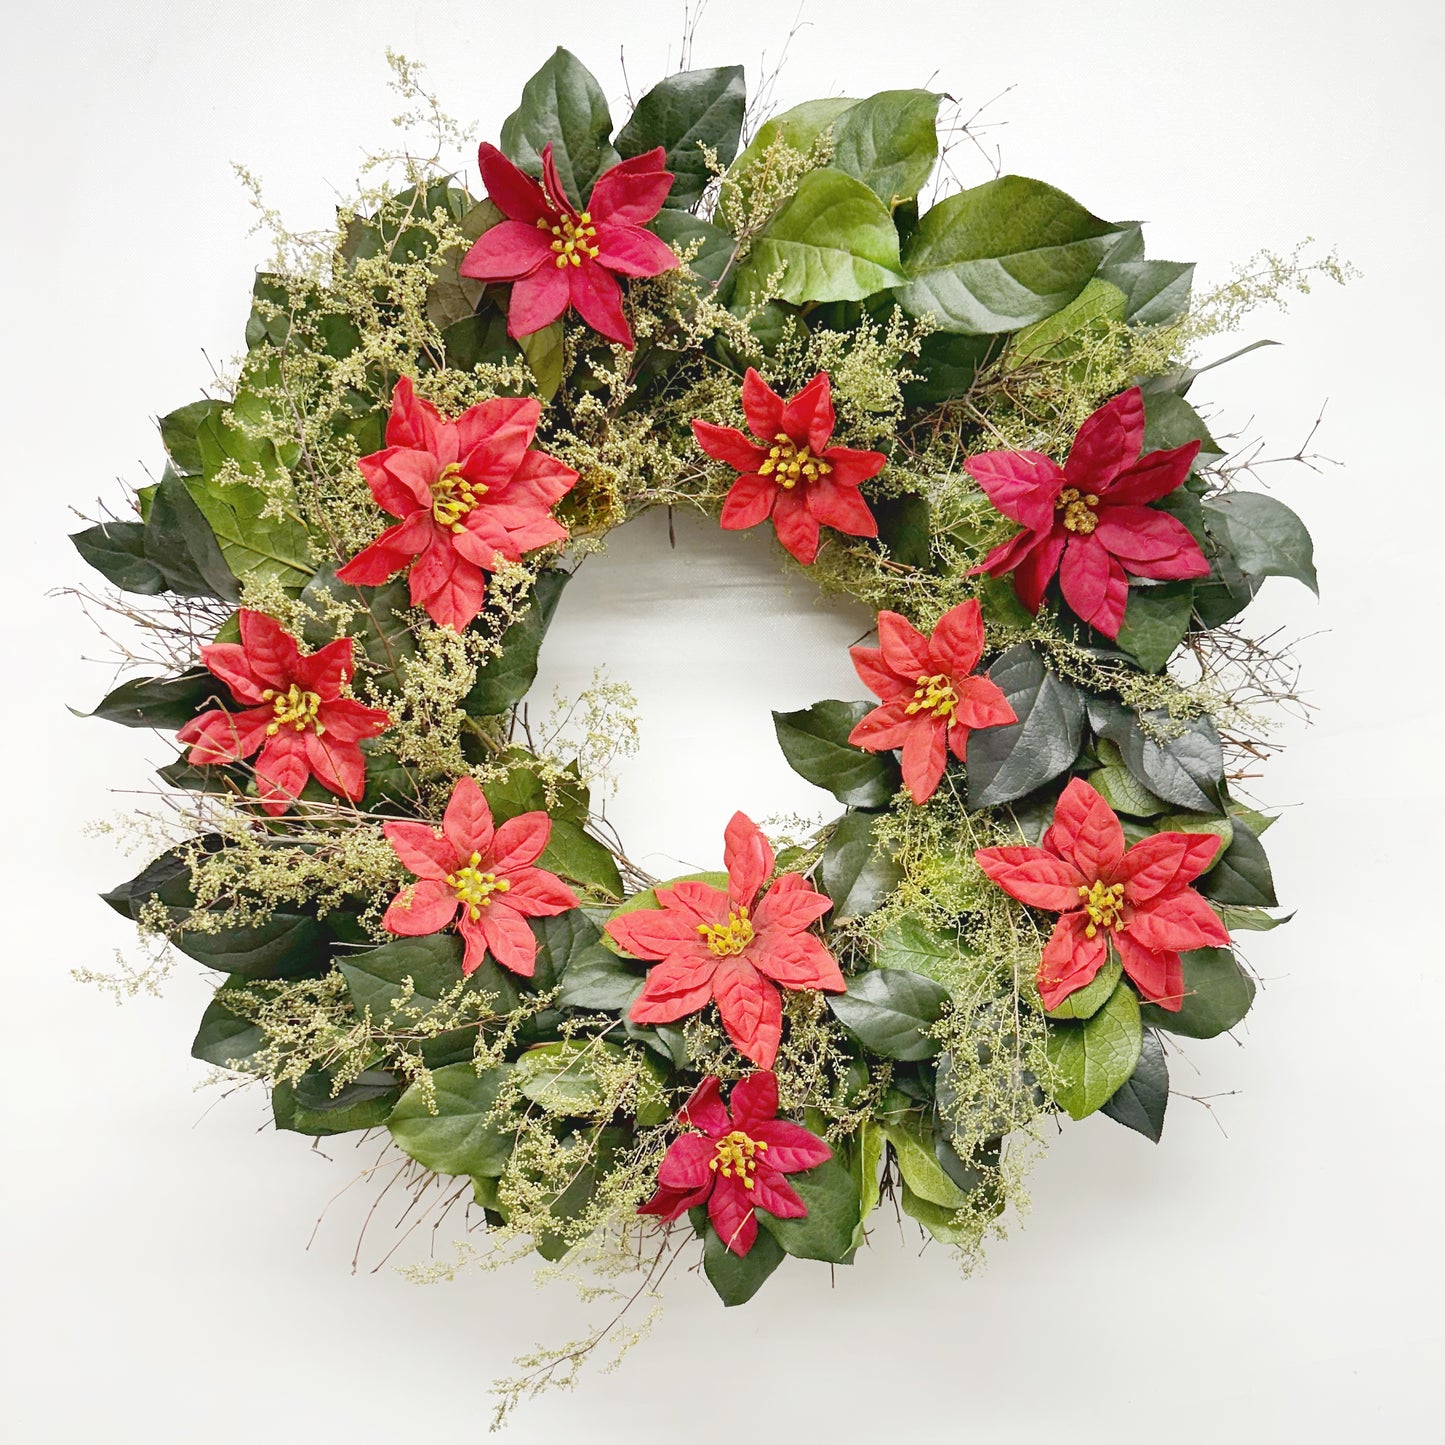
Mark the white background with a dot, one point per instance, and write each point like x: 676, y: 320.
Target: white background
x: 1271, y: 1272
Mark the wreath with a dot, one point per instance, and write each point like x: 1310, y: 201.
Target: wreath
x: 964, y: 407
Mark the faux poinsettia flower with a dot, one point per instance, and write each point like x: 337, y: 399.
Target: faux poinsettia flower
x: 295, y: 714
x: 1137, y: 900
x: 789, y: 472
x: 470, y: 493
x: 558, y: 256
x: 738, y: 1161
x: 729, y: 948
x: 480, y: 878
x: 931, y: 697
x: 1087, y: 521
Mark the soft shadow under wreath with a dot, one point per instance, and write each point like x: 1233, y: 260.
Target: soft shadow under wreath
x: 968, y: 410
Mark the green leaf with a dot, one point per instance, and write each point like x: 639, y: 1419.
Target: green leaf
x: 180, y: 542
x: 1241, y: 874
x: 857, y: 872
x: 889, y: 142
x: 358, y: 1106
x: 826, y: 1231
x: 1155, y: 292
x: 179, y: 432
x: 255, y: 546
x: 833, y: 240
x: 1249, y: 920
x: 905, y: 528
x: 1001, y: 256
x: 285, y: 945
x: 888, y: 1010
x: 1186, y: 769
x: 938, y: 1220
x: 1222, y: 828
x: 1170, y: 421
x: 946, y: 366
x: 1265, y: 538
x: 591, y: 976
x: 168, y: 703
x: 1091, y: 1059
x: 381, y: 625
x: 681, y: 228
x: 1144, y: 1096
x: 797, y: 128
x: 1155, y: 622
x: 503, y: 680
x: 562, y: 1077
x: 647, y: 898
x: 864, y: 1156
x: 737, y: 1278
x: 683, y: 113
x: 911, y: 945
x: 1063, y: 333
x: 815, y: 743
x: 1087, y: 1001
x: 913, y: 1145
x: 225, y: 1039
x: 1217, y: 995
x: 468, y: 1134
x: 1007, y: 762
x: 562, y: 105
x: 1125, y: 794
x: 577, y: 855
x: 117, y: 551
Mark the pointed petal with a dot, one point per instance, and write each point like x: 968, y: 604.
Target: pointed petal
x: 537, y: 300
x: 1033, y: 876
x: 796, y: 961
x: 808, y: 417
x: 728, y: 444
x: 516, y: 193
x: 754, y: 1100
x: 1158, y: 974
x: 467, y: 822
x: 221, y: 736
x: 1107, y: 443
x: 704, y: 1109
x: 474, y: 941
x: 493, y: 436
x: 791, y: 904
x: 751, y: 1009
x: 1086, y: 832
x: 982, y: 704
x: 339, y: 767
x: 374, y: 564
x: 731, y: 1215
x: 1164, y: 861
x: 520, y: 841
x: 348, y: 721
x: 905, y: 648
x: 271, y: 652
x: 747, y: 857
x: 412, y: 425
x: 509, y: 940
x: 841, y: 508
x: 749, y: 502
x: 421, y: 908
x: 877, y: 676
x: 773, y: 1193
x: 763, y: 408
x: 1035, y: 570
x: 1093, y: 584
x: 851, y: 466
x: 631, y: 251
x: 791, y: 1148
x: 1023, y: 485
x: 452, y: 589
x: 924, y: 757
x: 281, y: 771
x: 427, y: 853
x: 797, y: 528
x: 957, y: 641
x: 1180, y: 921
x: 598, y: 299
x: 507, y: 252
x: 673, y: 990
x: 327, y: 670
x: 1140, y: 535
x: 535, y: 893
x: 1152, y: 476
x: 886, y: 727
x: 1070, y: 959
x: 228, y: 661
x: 631, y: 192
x: 685, y: 1165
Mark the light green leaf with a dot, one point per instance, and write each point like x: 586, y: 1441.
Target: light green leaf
x: 468, y: 1134
x: 864, y: 1158
x: 797, y: 128
x: 889, y: 1010
x: 1087, y: 1001
x: 889, y: 142
x: 562, y: 1077
x: 911, y: 945
x: 918, y: 1163
x: 256, y: 545
x: 1143, y: 1097
x: 1090, y: 1060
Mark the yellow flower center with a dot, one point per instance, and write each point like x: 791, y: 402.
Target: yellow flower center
x: 726, y: 939
x: 571, y: 240
x: 788, y: 464
x: 474, y: 888
x: 453, y: 496
x: 735, y: 1156
x: 294, y: 707
x: 1078, y: 509
x: 933, y: 694
x: 1104, y: 903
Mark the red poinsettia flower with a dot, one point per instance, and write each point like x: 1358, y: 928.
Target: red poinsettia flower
x: 1138, y: 899
x: 931, y: 698
x: 558, y: 256
x: 790, y: 473
x: 1087, y: 520
x: 730, y: 948
x: 482, y: 873
x: 295, y: 714
x: 737, y: 1163
x: 470, y: 493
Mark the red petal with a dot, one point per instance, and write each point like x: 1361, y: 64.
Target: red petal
x: 982, y: 704
x: 886, y: 727
x: 1036, y: 568
x: 467, y: 822
x: 841, y: 508
x: 924, y: 757
x: 1153, y: 476
x: 704, y: 1109
x: 228, y: 661
x: 421, y: 908
x: 699, y: 902
x: 1178, y: 921
x: 327, y: 670
x: 674, y: 989
x: 535, y: 893
x: 348, y: 721
x: 797, y: 528
x: 1107, y: 443
x: 652, y: 933
x: 508, y: 252
x: 791, y: 904
x: 552, y: 183
x: 1142, y: 535
x: 631, y: 251
x: 538, y: 300
x: 520, y: 841
x: 672, y: 1204
x: 339, y: 767
x: 493, y: 436
x: 271, y: 653
x: 763, y: 407
x: 515, y: 192
x: 452, y: 589
x: 374, y: 564
x: 425, y: 852
x: 747, y: 857
x: 773, y: 1193
x: 754, y: 1100
x: 413, y: 423
x: 905, y: 648
x: 851, y: 466
x: 728, y: 444
x: 685, y: 1165
x: 877, y: 676
x: 796, y: 961
x: 1158, y: 974
x: 1070, y: 959
x: 632, y: 191
x: 1093, y: 584
x: 220, y: 736
x: 598, y: 299
x: 957, y: 641
x: 400, y: 478
x: 1164, y: 861
x: 1086, y: 832
x: 509, y: 940
x: 808, y: 417
x: 732, y: 1215
x: 1023, y: 485
x: 751, y: 1009
x: 281, y: 771
x: 791, y: 1148
x: 748, y: 503
x: 1033, y: 876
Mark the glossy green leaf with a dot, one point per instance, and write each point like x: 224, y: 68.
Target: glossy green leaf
x: 737, y: 1278
x: 864, y: 1156
x: 1265, y: 538
x: 1084, y: 1003
x: 1241, y: 874
x: 815, y: 743
x: 591, y: 976
x: 889, y: 142
x: 1001, y: 256
x: 1125, y: 794
x: 826, y: 1231
x: 562, y: 105
x: 1093, y: 1058
x: 1185, y: 768
x: 714, y: 246
x: 1143, y: 1097
x: 468, y: 1134
x: 889, y: 1010
x: 1155, y: 292
x: 362, y: 1105
x: 576, y: 855
x: 180, y: 541
x: 905, y: 528
x: 255, y: 543
x: 117, y: 551
x: 562, y: 1077
x: 179, y: 433
x: 1155, y: 622
x: 546, y: 357
x: 285, y: 945
x: 919, y: 1165
x: 1064, y: 333
x: 1007, y: 762
x: 503, y: 680
x: 1249, y: 920
x: 686, y: 111
x: 833, y: 240
x: 168, y: 703
x: 911, y: 945
x: 1217, y: 995
x: 858, y: 873
x: 797, y: 128
x: 226, y: 1039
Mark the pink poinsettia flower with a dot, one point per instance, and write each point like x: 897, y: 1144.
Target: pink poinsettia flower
x: 471, y: 493
x: 931, y: 697
x: 558, y: 256
x: 1136, y: 900
x: 1087, y: 521
x: 729, y: 948
x: 478, y: 877
x: 738, y: 1163
x: 297, y: 716
x: 790, y: 473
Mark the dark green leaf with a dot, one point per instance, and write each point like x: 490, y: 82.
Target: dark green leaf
x: 577, y: 855
x: 905, y: 529
x: 858, y: 873
x: 815, y: 743
x: 1265, y: 538
x: 468, y: 1134
x: 503, y: 680
x: 168, y: 703
x: 1143, y: 1097
x: 1155, y: 622
x: 179, y: 432
x: 946, y: 366
x: 683, y: 113
x: 592, y: 975
x: 225, y: 1039
x: 889, y: 142
x: 1007, y: 762
x: 381, y: 625
x: 826, y: 1231
x: 1169, y: 421
x: 737, y: 1278
x: 1241, y: 875
x: 1217, y: 995
x: 562, y: 105
x: 117, y: 551
x: 888, y: 1009
x: 179, y: 541
x: 1091, y: 1059
x: 1186, y: 770
x: 1155, y: 292
x: 363, y: 1108
x: 285, y: 945
x: 715, y: 246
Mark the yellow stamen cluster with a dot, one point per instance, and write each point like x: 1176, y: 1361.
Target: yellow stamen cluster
x: 294, y: 708
x: 788, y: 464
x: 1104, y: 903
x: 934, y: 694
x: 1078, y: 509
x: 475, y: 888
x: 735, y: 1154
x: 453, y: 496
x: 730, y: 938
x: 571, y: 240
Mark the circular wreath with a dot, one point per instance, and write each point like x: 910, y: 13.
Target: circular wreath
x: 968, y: 413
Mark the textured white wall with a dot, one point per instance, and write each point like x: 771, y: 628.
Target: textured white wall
x: 1271, y: 1272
